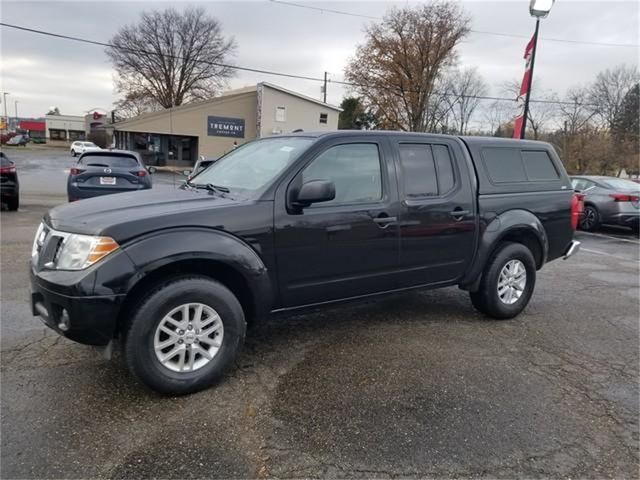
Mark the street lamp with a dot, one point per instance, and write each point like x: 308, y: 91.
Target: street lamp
x: 538, y: 9
x: 6, y: 118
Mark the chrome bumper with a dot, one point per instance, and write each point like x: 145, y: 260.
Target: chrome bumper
x: 572, y: 249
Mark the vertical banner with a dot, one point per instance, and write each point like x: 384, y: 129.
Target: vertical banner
x: 524, y: 87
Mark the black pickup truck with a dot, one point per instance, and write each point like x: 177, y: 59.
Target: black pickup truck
x: 295, y: 221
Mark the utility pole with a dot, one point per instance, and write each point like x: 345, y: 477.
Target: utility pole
x: 324, y: 88
x: 533, y: 62
x: 6, y: 119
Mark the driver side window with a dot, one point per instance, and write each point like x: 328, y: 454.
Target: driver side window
x: 353, y: 168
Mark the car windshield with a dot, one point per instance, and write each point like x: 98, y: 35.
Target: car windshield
x: 114, y: 161
x: 251, y: 167
x: 621, y: 184
x: 89, y: 144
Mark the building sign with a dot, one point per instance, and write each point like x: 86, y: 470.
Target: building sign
x: 225, y: 127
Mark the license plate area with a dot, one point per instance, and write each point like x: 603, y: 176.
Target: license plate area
x: 107, y: 180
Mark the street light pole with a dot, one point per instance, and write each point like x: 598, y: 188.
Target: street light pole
x: 6, y: 118
x: 528, y: 96
x: 15, y: 106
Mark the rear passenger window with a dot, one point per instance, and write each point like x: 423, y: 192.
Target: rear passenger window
x: 504, y: 165
x: 427, y: 170
x: 419, y: 170
x: 539, y: 166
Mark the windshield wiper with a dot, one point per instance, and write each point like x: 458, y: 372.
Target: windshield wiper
x: 210, y: 186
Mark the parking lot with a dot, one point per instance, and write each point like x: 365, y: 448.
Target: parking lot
x: 411, y: 385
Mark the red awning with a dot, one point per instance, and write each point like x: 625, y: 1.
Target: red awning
x: 32, y: 126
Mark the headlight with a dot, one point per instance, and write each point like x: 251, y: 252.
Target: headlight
x: 78, y: 252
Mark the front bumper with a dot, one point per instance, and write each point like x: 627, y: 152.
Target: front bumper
x: 90, y: 320
x: 572, y: 249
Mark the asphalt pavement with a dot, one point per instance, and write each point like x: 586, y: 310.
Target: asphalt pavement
x: 410, y: 385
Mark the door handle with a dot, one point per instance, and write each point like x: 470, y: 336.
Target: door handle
x: 384, y: 222
x: 459, y: 213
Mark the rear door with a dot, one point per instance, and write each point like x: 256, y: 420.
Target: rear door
x: 438, y: 224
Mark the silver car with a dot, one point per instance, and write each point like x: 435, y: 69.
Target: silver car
x: 608, y: 201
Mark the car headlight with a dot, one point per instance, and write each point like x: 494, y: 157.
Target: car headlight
x: 78, y: 252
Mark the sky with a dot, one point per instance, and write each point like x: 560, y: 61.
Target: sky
x: 39, y: 72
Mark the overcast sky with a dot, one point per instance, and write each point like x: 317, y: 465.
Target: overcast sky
x: 40, y: 72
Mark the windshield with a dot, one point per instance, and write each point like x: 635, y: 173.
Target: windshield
x: 115, y: 161
x: 621, y: 184
x: 252, y: 166
x: 89, y: 144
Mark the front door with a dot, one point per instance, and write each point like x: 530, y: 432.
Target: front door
x: 348, y: 246
x: 437, y: 217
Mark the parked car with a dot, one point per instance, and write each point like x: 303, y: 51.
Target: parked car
x: 608, y: 201
x: 78, y: 148
x: 201, y: 164
x: 18, y: 141
x: 107, y: 171
x: 9, y: 184
x: 288, y: 222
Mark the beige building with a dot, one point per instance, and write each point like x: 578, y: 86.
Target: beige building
x: 210, y: 128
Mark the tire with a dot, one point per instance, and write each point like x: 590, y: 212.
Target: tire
x: 13, y: 203
x: 142, y: 333
x: 73, y: 153
x: 590, y: 220
x: 487, y: 299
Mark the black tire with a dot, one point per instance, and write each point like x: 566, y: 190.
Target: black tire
x: 13, y: 203
x: 486, y: 299
x: 590, y: 219
x: 73, y: 153
x: 139, y: 336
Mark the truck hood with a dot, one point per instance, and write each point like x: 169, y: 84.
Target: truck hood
x: 126, y: 215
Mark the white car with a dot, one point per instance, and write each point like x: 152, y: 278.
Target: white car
x: 78, y: 148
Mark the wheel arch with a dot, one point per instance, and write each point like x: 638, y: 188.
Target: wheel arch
x: 518, y: 226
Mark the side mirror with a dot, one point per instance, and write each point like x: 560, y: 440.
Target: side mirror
x: 151, y: 170
x: 315, y: 191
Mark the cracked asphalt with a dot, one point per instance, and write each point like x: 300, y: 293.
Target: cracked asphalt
x: 411, y: 385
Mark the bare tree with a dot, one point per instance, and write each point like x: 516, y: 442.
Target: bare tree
x: 396, y: 70
x: 463, y: 88
x: 134, y: 104
x: 608, y: 91
x: 496, y: 114
x: 542, y: 108
x: 171, y: 57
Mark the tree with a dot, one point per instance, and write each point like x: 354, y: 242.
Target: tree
x: 463, y: 88
x: 396, y: 70
x: 354, y: 115
x: 626, y: 129
x: 134, y: 104
x: 542, y: 107
x: 608, y: 92
x: 171, y: 57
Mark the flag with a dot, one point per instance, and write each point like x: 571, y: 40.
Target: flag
x: 524, y: 87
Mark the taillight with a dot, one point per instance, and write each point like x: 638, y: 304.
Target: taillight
x: 577, y: 207
x: 11, y: 169
x: 140, y: 173
x: 621, y: 197
x: 75, y: 171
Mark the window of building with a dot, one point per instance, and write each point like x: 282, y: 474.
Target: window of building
x: 353, y: 168
x: 324, y: 117
x: 56, y: 134
x: 76, y: 135
x: 281, y: 114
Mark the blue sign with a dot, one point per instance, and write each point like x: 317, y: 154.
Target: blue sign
x: 225, y: 127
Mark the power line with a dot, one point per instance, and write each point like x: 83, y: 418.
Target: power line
x: 257, y: 70
x: 481, y: 32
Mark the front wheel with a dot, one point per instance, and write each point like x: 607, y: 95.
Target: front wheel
x: 507, y: 282
x: 184, y: 335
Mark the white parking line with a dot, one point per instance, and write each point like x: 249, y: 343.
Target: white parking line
x: 598, y: 252
x: 611, y: 237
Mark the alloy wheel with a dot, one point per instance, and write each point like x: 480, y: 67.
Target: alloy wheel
x: 188, y: 337
x: 512, y: 281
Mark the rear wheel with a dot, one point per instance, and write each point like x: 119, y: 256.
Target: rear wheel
x: 590, y: 220
x: 184, y: 335
x: 507, y: 282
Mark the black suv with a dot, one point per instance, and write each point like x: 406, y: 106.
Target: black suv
x: 291, y: 221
